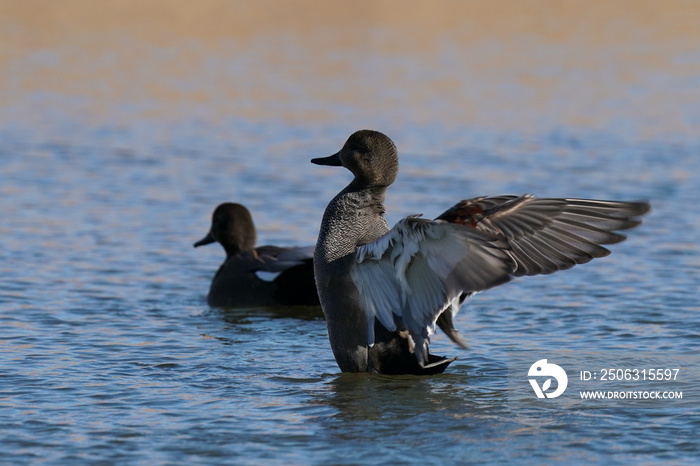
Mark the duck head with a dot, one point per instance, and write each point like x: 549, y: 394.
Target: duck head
x: 370, y: 155
x: 232, y: 226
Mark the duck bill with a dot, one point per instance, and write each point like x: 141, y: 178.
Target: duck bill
x: 206, y: 240
x: 331, y: 160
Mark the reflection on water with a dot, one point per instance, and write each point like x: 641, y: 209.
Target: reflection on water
x: 122, y: 125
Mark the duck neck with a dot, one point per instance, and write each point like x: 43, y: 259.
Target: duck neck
x: 369, y: 198
x: 238, y: 241
x: 353, y: 218
x: 232, y: 250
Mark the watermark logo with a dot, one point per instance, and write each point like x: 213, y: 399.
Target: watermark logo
x: 544, y: 369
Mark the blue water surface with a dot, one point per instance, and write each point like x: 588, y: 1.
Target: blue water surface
x: 110, y: 355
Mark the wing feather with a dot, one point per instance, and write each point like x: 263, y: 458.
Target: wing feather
x: 279, y: 259
x: 419, y: 269
x: 417, y: 274
x: 549, y: 234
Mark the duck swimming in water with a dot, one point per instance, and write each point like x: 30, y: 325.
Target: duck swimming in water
x: 236, y: 283
x: 383, y: 290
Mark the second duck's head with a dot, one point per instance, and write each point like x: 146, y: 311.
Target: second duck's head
x: 370, y: 155
x: 232, y: 226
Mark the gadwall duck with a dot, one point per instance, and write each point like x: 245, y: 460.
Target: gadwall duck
x: 236, y: 283
x: 383, y: 290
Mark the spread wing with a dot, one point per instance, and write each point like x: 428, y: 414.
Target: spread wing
x: 546, y: 235
x: 409, y: 277
x: 419, y: 269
